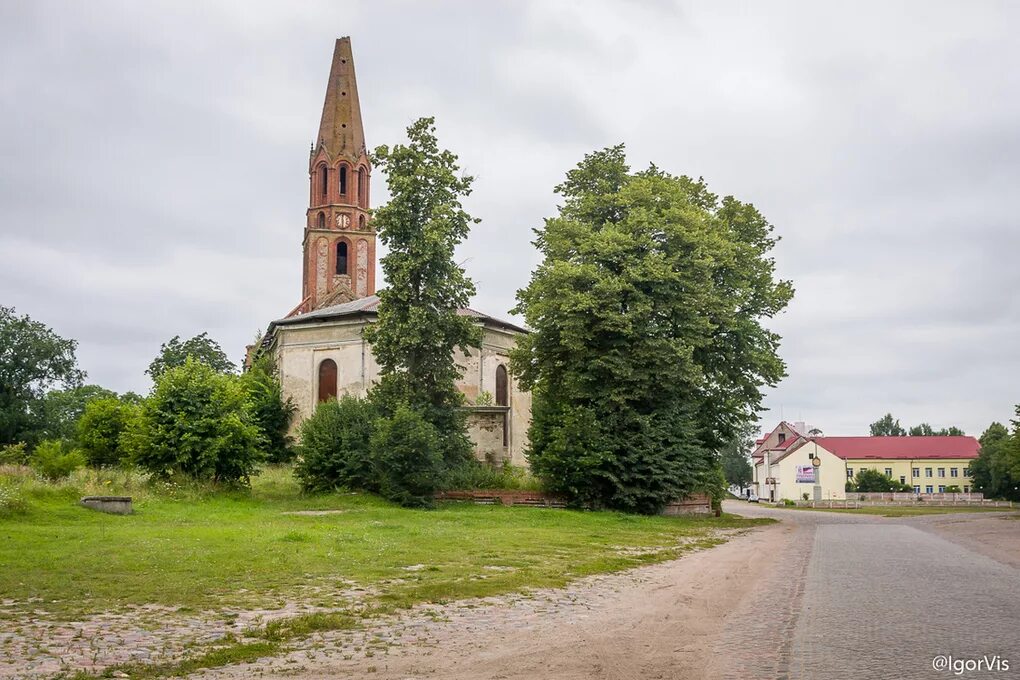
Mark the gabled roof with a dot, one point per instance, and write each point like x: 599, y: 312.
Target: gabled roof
x: 782, y: 445
x: 369, y: 306
x: 899, y: 448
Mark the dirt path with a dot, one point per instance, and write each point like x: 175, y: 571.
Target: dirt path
x: 662, y: 621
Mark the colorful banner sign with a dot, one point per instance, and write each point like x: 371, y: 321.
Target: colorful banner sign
x: 805, y: 474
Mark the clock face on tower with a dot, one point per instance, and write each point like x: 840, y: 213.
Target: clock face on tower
x: 343, y: 221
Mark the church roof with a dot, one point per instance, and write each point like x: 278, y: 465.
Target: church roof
x: 369, y: 306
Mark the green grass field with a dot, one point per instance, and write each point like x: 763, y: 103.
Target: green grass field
x: 208, y: 551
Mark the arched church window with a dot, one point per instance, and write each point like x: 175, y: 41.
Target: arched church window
x: 327, y: 380
x: 343, y: 180
x: 322, y: 220
x: 362, y: 187
x: 324, y: 180
x: 361, y: 223
x: 502, y: 387
x: 503, y: 399
x: 341, y: 257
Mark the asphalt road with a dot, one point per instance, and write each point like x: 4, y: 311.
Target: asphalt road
x: 858, y: 596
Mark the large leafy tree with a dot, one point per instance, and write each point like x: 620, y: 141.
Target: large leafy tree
x: 734, y: 458
x: 33, y: 360
x: 887, y: 426
x: 60, y: 410
x: 271, y: 410
x: 201, y: 348
x: 418, y: 324
x: 996, y: 471
x: 648, y: 351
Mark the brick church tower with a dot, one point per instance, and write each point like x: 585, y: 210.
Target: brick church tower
x: 339, y: 243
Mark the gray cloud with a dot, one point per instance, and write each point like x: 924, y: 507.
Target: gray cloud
x: 153, y: 162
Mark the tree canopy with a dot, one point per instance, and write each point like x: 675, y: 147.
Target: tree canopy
x: 201, y: 348
x: 33, y: 360
x: 996, y: 472
x: 648, y: 351
x: 418, y: 323
x: 887, y: 426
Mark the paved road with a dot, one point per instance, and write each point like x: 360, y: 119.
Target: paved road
x: 857, y: 596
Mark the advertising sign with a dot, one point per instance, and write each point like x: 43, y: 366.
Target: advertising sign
x: 805, y: 474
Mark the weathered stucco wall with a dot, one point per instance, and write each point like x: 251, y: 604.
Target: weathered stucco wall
x: 299, y: 349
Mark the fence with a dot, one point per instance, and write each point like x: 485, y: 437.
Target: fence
x: 696, y: 504
x: 853, y: 503
x: 911, y: 496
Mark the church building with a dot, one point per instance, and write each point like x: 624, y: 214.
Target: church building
x: 319, y: 347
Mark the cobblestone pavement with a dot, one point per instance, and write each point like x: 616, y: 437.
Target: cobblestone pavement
x: 877, y: 598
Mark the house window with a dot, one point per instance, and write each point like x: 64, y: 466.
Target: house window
x: 927, y: 473
x: 942, y: 472
x: 327, y: 380
x: 343, y: 180
x: 917, y: 489
x: 942, y: 488
x: 966, y: 472
x: 782, y: 437
x: 966, y: 489
x: 916, y: 472
x: 888, y: 472
x: 954, y: 472
x: 341, y: 257
x: 903, y: 480
x: 849, y: 473
x: 927, y: 489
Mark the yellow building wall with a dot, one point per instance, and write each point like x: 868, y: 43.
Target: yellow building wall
x: 905, y: 469
x: 830, y: 475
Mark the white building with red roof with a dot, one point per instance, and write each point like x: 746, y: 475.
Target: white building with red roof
x: 789, y: 463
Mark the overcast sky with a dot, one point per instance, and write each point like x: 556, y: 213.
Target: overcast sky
x: 153, y: 166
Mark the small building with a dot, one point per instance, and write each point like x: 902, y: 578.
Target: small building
x: 788, y: 464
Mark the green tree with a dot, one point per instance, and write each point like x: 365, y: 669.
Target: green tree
x: 648, y: 350
x: 408, y: 460
x: 734, y: 458
x: 33, y: 359
x: 926, y: 430
x: 271, y: 411
x: 990, y: 470
x: 197, y: 423
x: 202, y: 348
x: 887, y: 426
x: 418, y: 323
x: 54, y: 459
x: 336, y: 446
x: 101, y: 428
x: 60, y: 409
x: 873, y: 480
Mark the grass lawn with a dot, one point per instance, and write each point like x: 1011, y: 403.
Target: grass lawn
x: 241, y: 550
x: 910, y: 511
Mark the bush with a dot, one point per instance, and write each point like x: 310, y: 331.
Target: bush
x: 271, y: 412
x: 336, y: 446
x: 406, y: 455
x: 100, y: 429
x: 14, y: 454
x: 12, y: 501
x: 197, y: 423
x: 788, y: 503
x: 477, y: 475
x: 953, y: 488
x: 868, y: 480
x: 54, y: 460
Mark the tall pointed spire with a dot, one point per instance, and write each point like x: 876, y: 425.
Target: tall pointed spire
x: 340, y: 129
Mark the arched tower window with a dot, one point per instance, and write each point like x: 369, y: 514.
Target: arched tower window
x: 327, y: 380
x: 322, y: 220
x: 341, y: 257
x: 343, y: 180
x: 323, y: 181
x: 502, y: 387
x: 362, y: 188
x: 361, y: 223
